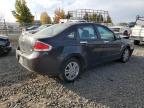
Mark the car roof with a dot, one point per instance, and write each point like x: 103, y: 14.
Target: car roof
x: 79, y: 23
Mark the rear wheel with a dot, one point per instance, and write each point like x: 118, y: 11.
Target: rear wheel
x: 125, y: 33
x: 1, y: 52
x: 125, y: 55
x: 70, y: 70
x: 136, y: 42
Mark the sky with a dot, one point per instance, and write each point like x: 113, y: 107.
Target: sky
x: 119, y: 10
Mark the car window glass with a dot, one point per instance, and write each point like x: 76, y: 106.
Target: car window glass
x: 86, y: 32
x: 71, y: 35
x: 52, y: 30
x: 105, y: 33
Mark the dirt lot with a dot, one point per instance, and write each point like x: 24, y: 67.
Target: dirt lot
x: 112, y: 85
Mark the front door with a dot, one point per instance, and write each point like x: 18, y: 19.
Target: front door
x: 89, y: 43
x: 110, y: 45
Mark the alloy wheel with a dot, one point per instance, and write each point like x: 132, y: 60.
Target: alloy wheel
x: 72, y: 70
x: 126, y: 55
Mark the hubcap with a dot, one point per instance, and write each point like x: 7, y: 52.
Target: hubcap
x: 72, y: 70
x: 126, y: 55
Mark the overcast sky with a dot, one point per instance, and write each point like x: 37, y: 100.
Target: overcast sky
x: 120, y: 10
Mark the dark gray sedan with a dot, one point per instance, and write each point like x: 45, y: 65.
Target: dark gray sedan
x: 5, y: 46
x: 67, y: 49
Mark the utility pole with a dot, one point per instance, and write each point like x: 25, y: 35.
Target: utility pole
x: 5, y: 27
x: 35, y: 18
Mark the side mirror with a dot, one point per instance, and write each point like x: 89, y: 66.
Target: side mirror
x: 117, y: 36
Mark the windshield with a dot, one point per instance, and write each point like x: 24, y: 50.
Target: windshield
x: 52, y: 30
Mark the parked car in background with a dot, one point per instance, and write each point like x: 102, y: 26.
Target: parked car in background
x: 40, y: 28
x: 124, y: 31
x: 71, y: 20
x: 30, y: 28
x: 5, y: 46
x: 67, y: 49
x: 35, y: 29
x: 138, y: 31
x: 131, y: 24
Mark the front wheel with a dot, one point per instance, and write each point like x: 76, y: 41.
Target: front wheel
x: 1, y: 52
x: 6, y: 53
x: 70, y: 70
x: 125, y: 55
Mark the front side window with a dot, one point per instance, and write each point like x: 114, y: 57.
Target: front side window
x: 105, y: 34
x: 86, y: 32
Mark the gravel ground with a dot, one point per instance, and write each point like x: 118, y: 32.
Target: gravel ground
x: 110, y: 85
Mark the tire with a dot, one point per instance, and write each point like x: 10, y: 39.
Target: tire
x: 6, y: 53
x: 1, y: 52
x: 125, y: 55
x: 125, y: 33
x: 136, y: 42
x: 68, y: 73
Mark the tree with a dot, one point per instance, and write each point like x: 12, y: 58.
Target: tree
x: 62, y: 14
x: 93, y: 17
x: 86, y: 16
x: 45, y: 18
x: 59, y: 14
x: 100, y: 18
x: 68, y: 16
x: 22, y: 13
x: 109, y: 20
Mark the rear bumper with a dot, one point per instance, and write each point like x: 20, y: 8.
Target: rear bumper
x: 39, y: 62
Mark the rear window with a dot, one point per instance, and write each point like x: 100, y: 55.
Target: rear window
x: 32, y: 28
x: 53, y: 30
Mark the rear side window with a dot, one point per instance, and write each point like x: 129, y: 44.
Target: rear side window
x: 52, y: 30
x: 71, y: 35
x: 87, y: 32
x: 105, y: 34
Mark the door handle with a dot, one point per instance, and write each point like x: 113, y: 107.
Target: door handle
x: 83, y: 42
x: 106, y: 41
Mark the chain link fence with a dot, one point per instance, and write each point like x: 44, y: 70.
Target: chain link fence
x: 12, y: 30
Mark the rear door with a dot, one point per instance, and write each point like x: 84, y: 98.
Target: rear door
x: 110, y: 45
x: 89, y: 43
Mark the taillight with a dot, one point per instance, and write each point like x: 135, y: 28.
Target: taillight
x: 40, y: 46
